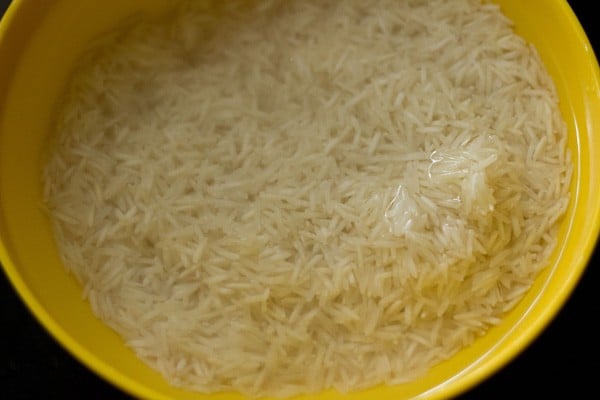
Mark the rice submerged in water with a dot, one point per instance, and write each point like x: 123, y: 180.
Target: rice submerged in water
x: 280, y: 197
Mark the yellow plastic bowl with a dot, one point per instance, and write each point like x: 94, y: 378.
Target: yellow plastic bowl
x: 39, y: 42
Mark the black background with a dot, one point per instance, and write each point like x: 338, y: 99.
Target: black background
x: 34, y: 366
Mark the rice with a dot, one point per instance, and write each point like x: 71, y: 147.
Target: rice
x: 281, y: 197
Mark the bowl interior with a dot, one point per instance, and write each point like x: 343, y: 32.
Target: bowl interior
x: 53, y: 34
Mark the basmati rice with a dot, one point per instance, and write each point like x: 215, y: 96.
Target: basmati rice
x: 278, y: 197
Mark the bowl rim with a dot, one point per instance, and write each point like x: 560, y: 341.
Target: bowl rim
x: 129, y: 385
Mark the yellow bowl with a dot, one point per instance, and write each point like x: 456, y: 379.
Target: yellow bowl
x: 42, y: 39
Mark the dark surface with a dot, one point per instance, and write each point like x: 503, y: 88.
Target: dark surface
x: 34, y: 366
